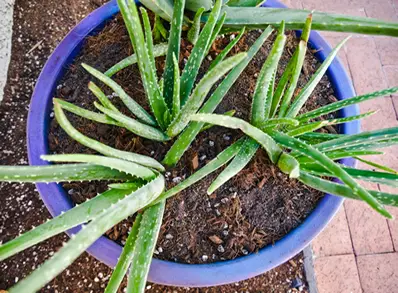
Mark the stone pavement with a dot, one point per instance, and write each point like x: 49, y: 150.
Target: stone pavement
x: 6, y: 9
x: 358, y: 251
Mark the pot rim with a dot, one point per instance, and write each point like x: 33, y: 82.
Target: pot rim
x: 165, y: 272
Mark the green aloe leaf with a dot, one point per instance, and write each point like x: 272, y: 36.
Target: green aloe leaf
x: 298, y: 58
x: 270, y: 93
x: 161, y: 84
x: 81, y: 241
x: 361, y: 140
x: 59, y: 173
x: 242, y: 158
x: 378, y: 166
x: 126, y: 185
x: 148, y: 39
x: 216, y: 32
x: 255, y: 18
x: 344, y: 103
x: 311, y: 127
x: 100, y: 147
x: 173, y: 50
x: 330, y: 166
x: 101, y: 118
x: 78, y: 215
x: 344, y: 191
x: 272, y: 122
x: 132, y: 20
x: 365, y: 175
x: 282, y: 84
x: 193, y: 33
x: 101, y: 96
x: 289, y: 165
x: 341, y: 120
x: 132, y: 105
x: 286, y: 162
x: 208, y: 126
x: 113, y: 163
x: 133, y: 125
x: 160, y: 29
x: 184, y: 140
x: 275, y: 122
x: 163, y: 8
x: 221, y: 159
x: 373, y: 144
x: 191, y: 69
x: 158, y: 50
x: 227, y: 49
x: 337, y: 155
x: 245, y: 3
x: 262, y: 102
x: 144, y: 247
x: 195, y: 5
x: 310, y: 86
x: 125, y: 258
x: 271, y: 147
x: 318, y: 136
x: 176, y: 88
x: 200, y: 92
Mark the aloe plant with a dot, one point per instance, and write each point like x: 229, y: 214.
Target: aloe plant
x: 290, y: 139
x: 277, y: 125
x: 246, y: 13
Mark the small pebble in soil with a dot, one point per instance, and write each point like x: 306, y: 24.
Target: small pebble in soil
x: 226, y: 137
x: 205, y: 257
x: 160, y: 249
x: 220, y: 249
x: 70, y: 191
x: 296, y: 283
x: 244, y: 251
x: 202, y: 158
x: 225, y: 232
x: 177, y: 179
x: 169, y: 236
x: 211, y: 143
x: 209, y: 58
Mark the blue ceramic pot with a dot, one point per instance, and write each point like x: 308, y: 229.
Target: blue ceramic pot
x: 165, y: 272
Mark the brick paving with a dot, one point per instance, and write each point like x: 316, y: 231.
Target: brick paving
x: 358, y: 251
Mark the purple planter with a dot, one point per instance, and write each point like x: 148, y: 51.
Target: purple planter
x: 164, y: 272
